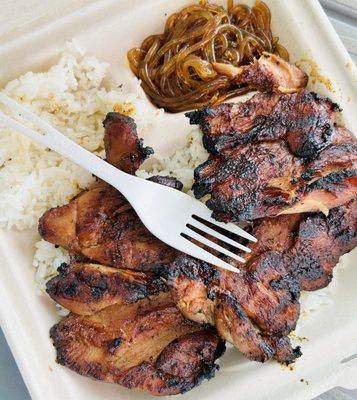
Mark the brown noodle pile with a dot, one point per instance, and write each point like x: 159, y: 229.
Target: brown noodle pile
x: 176, y: 66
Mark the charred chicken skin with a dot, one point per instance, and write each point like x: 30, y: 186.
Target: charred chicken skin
x: 148, y: 345
x: 87, y: 288
x: 101, y: 225
x: 123, y: 148
x: 244, y: 308
x: 275, y: 154
x: 257, y: 308
x: 310, y: 244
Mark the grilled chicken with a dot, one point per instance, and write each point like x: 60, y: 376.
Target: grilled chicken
x: 85, y: 288
x: 266, y: 118
x: 123, y: 148
x: 257, y: 308
x: 270, y: 73
x: 320, y: 242
x: 145, y: 323
x: 246, y: 309
x: 100, y: 224
x: 310, y: 244
x: 148, y: 345
x: 275, y: 154
x: 293, y: 252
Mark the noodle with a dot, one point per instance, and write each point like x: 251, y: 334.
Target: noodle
x: 176, y: 68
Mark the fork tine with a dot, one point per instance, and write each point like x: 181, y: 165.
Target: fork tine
x: 194, y: 250
x: 205, y: 213
x: 217, y: 235
x: 235, y: 229
x: 193, y: 235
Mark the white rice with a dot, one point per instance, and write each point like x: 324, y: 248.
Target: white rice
x: 72, y: 96
x: 46, y: 260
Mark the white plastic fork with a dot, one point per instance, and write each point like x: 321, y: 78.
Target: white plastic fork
x: 167, y: 213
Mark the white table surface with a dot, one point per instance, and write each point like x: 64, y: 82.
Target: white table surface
x: 343, y: 15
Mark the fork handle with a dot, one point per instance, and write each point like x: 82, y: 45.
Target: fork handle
x: 61, y: 144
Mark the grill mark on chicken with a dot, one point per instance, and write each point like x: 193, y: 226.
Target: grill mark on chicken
x: 101, y: 225
x: 147, y: 345
x: 87, y: 288
x: 243, y: 307
x: 191, y: 356
x: 167, y: 181
x: 282, y: 349
x: 328, y: 182
x: 258, y: 307
x: 310, y: 244
x: 273, y: 154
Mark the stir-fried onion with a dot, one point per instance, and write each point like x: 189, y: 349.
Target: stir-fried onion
x: 177, y: 67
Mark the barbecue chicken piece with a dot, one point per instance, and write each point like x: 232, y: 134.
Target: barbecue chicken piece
x: 266, y: 118
x: 270, y: 73
x: 123, y: 148
x: 320, y: 242
x: 148, y: 345
x: 310, y: 244
x: 246, y: 309
x: 275, y: 154
x: 259, y: 307
x: 99, y: 223
x: 85, y: 288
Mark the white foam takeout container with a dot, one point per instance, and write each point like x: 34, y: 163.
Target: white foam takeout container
x: 32, y: 36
